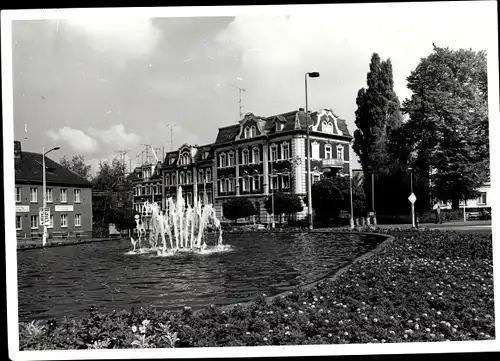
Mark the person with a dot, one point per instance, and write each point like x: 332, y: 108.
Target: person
x: 437, y: 209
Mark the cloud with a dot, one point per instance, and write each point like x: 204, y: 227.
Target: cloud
x: 127, y: 38
x: 75, y: 138
x: 115, y: 136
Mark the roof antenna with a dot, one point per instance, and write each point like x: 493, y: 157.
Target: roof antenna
x: 239, y: 101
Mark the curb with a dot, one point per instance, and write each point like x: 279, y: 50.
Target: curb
x: 67, y: 243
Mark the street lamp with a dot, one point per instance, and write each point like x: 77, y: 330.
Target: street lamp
x: 412, y: 203
x: 44, y: 191
x: 313, y: 74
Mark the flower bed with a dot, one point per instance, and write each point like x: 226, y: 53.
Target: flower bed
x: 424, y: 286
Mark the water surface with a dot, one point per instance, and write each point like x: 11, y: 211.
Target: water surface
x: 64, y: 281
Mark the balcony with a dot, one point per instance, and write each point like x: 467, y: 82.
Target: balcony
x: 332, y: 163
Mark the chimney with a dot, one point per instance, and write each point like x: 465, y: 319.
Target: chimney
x: 17, y: 150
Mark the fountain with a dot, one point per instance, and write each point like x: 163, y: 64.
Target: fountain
x: 183, y: 225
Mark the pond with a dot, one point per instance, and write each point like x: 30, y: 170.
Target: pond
x: 65, y: 281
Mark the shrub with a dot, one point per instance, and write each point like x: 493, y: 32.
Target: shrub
x: 236, y: 208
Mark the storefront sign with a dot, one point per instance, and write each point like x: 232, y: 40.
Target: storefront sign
x: 65, y: 208
x: 22, y: 209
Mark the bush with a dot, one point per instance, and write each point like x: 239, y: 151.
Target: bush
x: 236, y: 208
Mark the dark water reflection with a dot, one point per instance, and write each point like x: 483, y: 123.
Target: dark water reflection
x: 65, y: 281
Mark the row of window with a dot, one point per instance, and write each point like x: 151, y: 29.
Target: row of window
x: 253, y: 183
x: 49, y: 195
x: 187, y: 177
x: 35, y: 223
x: 227, y: 159
x: 147, y: 190
x: 328, y: 151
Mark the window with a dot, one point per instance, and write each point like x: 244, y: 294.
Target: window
x: 188, y: 177
x: 34, y: 222
x: 77, y: 193
x: 172, y: 160
x: 51, y: 221
x: 316, y: 178
x: 18, y: 194
x: 274, y: 182
x: 324, y: 126
x: 285, y: 151
x: 230, y: 159
x: 274, y: 152
x: 222, y: 186
x: 247, y: 132
x: 285, y: 181
x: 315, y: 150
x: 230, y: 185
x: 245, y: 156
x: 222, y: 160
x: 33, y: 195
x: 173, y: 180
x: 64, y: 195
x: 181, y: 178
x: 208, y: 175
x: 19, y: 222
x: 64, y: 220
x: 78, y: 220
x: 253, y: 131
x: 189, y: 198
x: 255, y: 155
x: 256, y: 183
x: 340, y: 152
x: 200, y: 176
x: 246, y: 184
x: 482, y: 198
x: 328, y: 151
x: 209, y: 197
x: 48, y: 195
x: 143, y: 190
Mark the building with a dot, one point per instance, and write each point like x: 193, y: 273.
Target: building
x: 68, y: 196
x: 146, y: 184
x: 251, y: 159
x: 260, y: 155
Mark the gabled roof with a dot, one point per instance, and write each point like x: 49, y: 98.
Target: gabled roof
x: 28, y: 169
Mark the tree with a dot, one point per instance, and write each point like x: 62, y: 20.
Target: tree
x: 377, y: 115
x: 77, y: 165
x: 238, y: 207
x: 447, y: 133
x: 111, y: 201
x: 284, y: 203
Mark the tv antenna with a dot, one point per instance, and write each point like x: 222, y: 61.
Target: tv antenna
x: 240, y: 90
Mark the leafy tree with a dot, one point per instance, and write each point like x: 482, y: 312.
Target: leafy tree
x: 377, y: 115
x: 326, y: 200
x: 238, y: 207
x: 447, y: 133
x: 284, y: 203
x: 112, y: 202
x: 77, y: 165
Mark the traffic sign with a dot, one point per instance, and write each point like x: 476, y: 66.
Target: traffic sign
x: 44, y: 214
x: 412, y: 198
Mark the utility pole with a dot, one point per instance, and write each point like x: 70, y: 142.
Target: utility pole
x: 146, y: 146
x: 172, y: 126
x: 240, y: 90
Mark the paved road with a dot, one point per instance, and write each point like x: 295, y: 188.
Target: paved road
x: 471, y: 226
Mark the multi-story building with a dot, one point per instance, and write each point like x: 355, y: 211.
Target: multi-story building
x: 146, y: 184
x: 260, y: 155
x: 68, y: 196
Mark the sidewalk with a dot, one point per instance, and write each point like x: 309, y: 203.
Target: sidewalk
x: 444, y: 225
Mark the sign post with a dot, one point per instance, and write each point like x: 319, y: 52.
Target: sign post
x: 44, y: 214
x: 412, y: 198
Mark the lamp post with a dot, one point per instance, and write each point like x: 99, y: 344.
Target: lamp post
x: 273, y: 224
x: 351, y: 220
x: 412, y: 203
x: 313, y: 74
x: 44, y: 191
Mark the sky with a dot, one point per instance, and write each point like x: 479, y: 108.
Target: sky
x: 98, y: 83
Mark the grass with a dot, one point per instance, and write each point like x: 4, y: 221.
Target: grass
x: 424, y: 286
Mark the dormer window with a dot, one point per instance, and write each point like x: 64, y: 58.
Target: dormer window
x: 255, y: 155
x: 245, y: 156
x: 247, y: 132
x: 327, y: 127
x: 253, y: 131
x: 285, y: 151
x: 184, y: 159
x: 172, y: 160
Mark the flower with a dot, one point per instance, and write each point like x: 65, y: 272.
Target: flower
x: 142, y: 329
x: 134, y: 329
x: 145, y: 322
x: 265, y: 338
